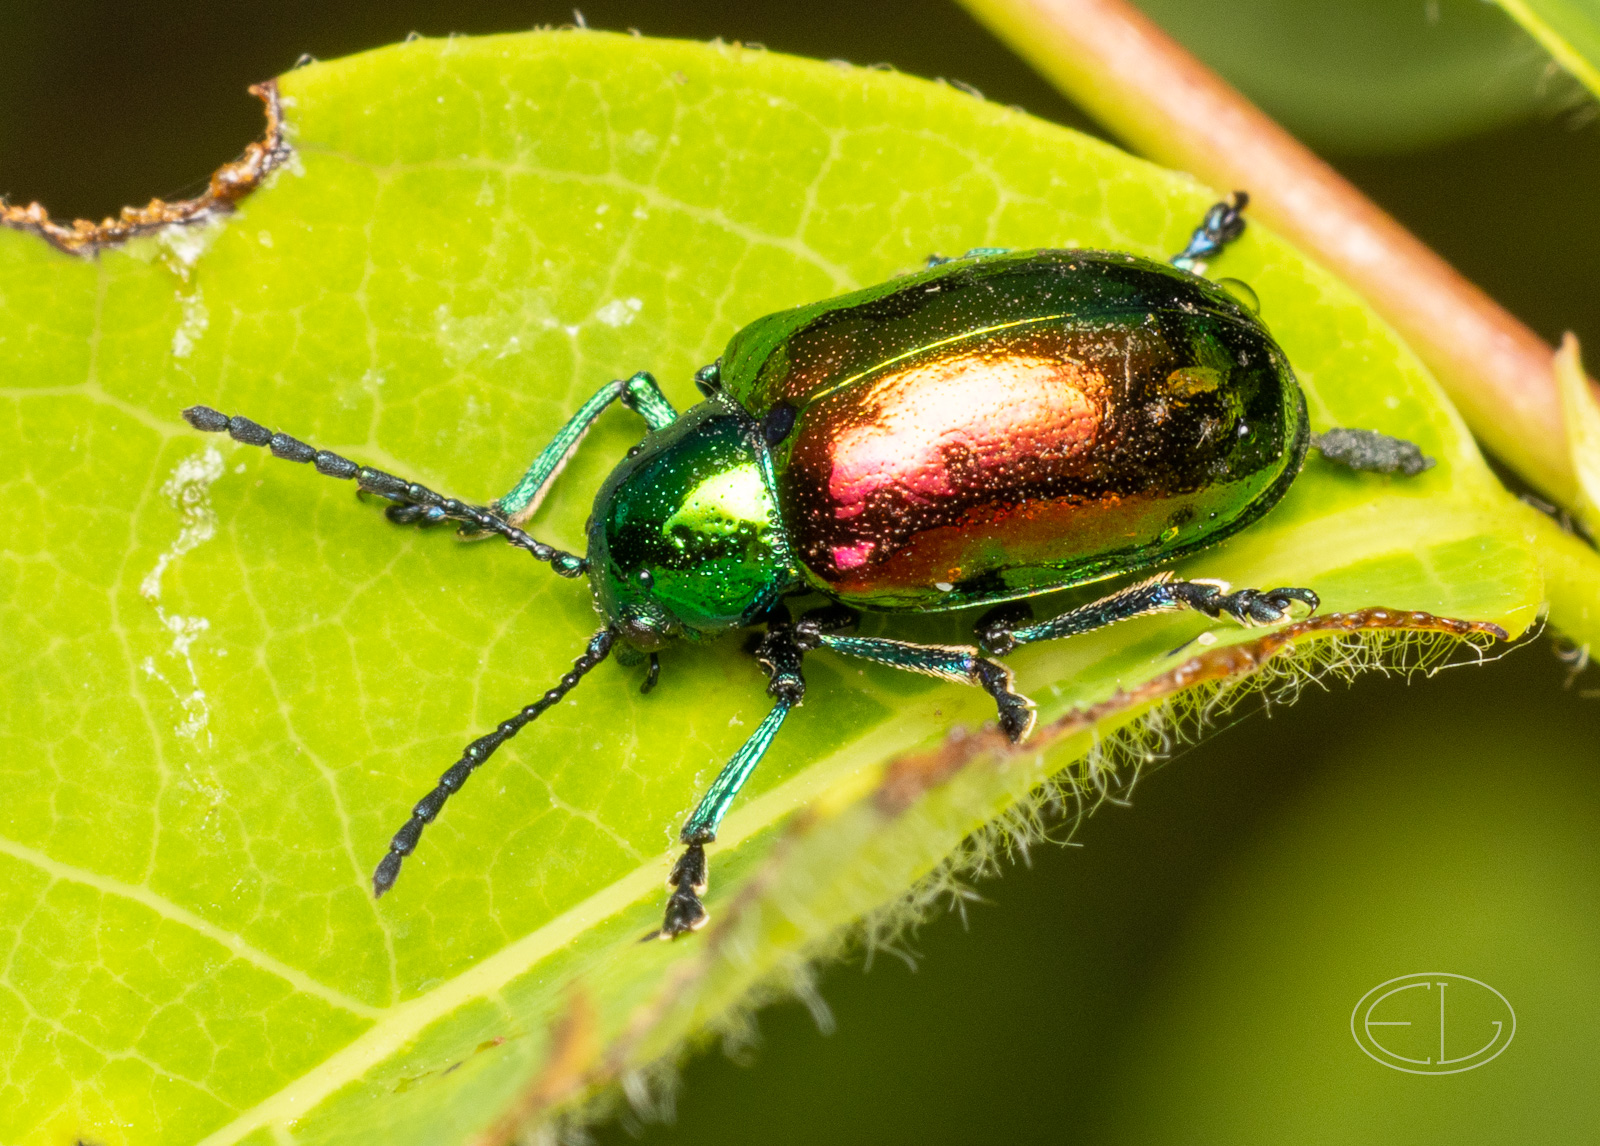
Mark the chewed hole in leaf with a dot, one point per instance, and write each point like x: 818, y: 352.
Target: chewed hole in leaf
x: 176, y: 221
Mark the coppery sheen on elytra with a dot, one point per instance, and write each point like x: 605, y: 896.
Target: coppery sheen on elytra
x: 1018, y: 424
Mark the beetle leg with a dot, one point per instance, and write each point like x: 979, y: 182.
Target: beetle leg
x: 1222, y: 225
x: 780, y: 653
x: 1160, y: 594
x: 639, y: 393
x: 651, y: 674
x: 959, y: 663
x: 1250, y: 607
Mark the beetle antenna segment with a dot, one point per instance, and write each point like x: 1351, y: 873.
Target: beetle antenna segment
x: 1222, y: 225
x: 407, y: 493
x: 427, y: 809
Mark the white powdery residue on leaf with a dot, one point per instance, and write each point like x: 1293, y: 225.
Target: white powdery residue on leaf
x: 189, y: 491
x: 620, y: 312
x: 192, y: 325
x: 182, y: 244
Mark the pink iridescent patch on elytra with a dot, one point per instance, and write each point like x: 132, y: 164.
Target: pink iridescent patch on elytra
x: 852, y: 556
x: 935, y: 429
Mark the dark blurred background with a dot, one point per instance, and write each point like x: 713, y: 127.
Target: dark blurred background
x: 1186, y: 975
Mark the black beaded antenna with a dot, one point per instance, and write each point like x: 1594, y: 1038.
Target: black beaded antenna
x: 474, y: 754
x: 407, y: 494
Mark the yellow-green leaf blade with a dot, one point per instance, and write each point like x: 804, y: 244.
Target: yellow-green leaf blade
x: 226, y: 680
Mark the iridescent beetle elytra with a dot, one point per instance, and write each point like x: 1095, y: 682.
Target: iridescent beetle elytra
x: 986, y: 431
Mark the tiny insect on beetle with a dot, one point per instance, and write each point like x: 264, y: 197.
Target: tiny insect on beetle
x: 985, y: 431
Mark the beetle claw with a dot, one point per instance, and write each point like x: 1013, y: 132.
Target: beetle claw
x: 685, y: 913
x: 1252, y: 607
x: 1017, y: 719
x: 1287, y: 597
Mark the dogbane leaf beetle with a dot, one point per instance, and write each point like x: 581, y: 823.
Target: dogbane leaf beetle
x: 985, y: 431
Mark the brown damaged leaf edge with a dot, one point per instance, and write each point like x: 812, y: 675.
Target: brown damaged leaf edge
x: 574, y: 1046
x: 231, y: 183
x: 909, y: 777
x: 574, y: 1067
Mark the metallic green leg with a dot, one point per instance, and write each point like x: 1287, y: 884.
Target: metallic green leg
x: 958, y: 663
x: 639, y: 393
x: 690, y: 878
x: 780, y: 653
x: 701, y: 827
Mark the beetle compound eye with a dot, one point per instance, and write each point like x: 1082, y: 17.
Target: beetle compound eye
x: 778, y: 423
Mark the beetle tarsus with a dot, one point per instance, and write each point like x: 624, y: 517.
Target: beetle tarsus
x: 409, y: 513
x: 688, y: 881
x: 1222, y: 225
x: 1016, y: 711
x: 1249, y: 607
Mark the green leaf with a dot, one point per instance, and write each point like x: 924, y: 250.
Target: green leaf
x: 1569, y: 31
x: 1371, y: 75
x: 1581, y: 416
x: 226, y: 680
